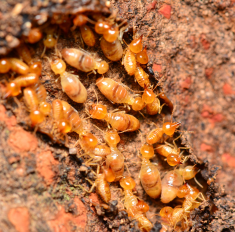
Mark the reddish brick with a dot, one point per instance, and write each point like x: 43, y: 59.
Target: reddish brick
x: 205, y: 43
x: 206, y: 147
x: 186, y: 83
x: 64, y: 222
x: 46, y: 164
x: 19, y: 218
x: 22, y: 141
x: 151, y: 5
x: 217, y: 118
x: 165, y: 10
x: 228, y: 159
x: 157, y: 68
x: 228, y: 89
x: 209, y: 72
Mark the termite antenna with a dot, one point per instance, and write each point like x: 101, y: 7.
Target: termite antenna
x: 200, y: 185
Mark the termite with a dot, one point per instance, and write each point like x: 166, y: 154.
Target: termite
x: 34, y: 35
x: 18, y: 66
x: 87, y: 35
x: 168, y: 128
x: 115, y: 160
x: 149, y: 174
x: 49, y: 41
x: 83, y: 61
x: 171, y: 183
x: 131, y: 204
x: 142, y: 77
x: 32, y: 103
x: 117, y: 93
x: 13, y: 88
x: 71, y: 85
x: 113, y: 51
x: 119, y: 121
x: 62, y: 123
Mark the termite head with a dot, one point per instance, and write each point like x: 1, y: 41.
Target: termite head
x: 64, y: 126
x: 36, y: 117
x: 112, y: 137
x: 169, y: 128
x: 12, y: 90
x: 98, y: 111
x: 88, y: 140
x: 102, y: 67
x: 147, y: 151
x: 127, y: 183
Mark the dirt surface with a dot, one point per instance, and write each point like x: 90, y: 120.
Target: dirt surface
x: 191, y: 50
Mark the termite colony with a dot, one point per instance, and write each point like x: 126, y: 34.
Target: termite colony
x: 22, y: 77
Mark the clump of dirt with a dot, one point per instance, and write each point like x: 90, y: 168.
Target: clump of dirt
x: 41, y: 178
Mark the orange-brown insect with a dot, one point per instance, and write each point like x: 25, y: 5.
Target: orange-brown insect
x: 119, y: 121
x: 71, y: 85
x: 113, y: 51
x: 149, y: 174
x: 188, y: 172
x: 102, y: 187
x: 35, y: 67
x: 13, y: 88
x: 167, y: 101
x: 115, y: 160
x: 24, y: 53
x: 18, y: 66
x: 63, y: 124
x: 34, y: 35
x: 168, y: 128
x: 5, y: 65
x: 129, y: 62
x: 142, y: 57
x: 171, y: 183
x: 80, y: 20
x: 136, y: 45
x: 131, y: 204
x: 117, y: 93
x: 83, y: 61
x: 87, y: 35
x: 44, y: 106
x: 142, y: 77
x: 32, y: 103
x: 72, y: 115
x: 50, y: 41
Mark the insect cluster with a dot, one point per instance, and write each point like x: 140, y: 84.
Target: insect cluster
x: 107, y: 157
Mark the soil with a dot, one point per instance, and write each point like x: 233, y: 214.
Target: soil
x: 191, y: 50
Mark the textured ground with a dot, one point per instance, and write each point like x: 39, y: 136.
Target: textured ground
x: 191, y: 47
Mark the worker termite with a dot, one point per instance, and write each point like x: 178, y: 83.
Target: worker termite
x: 18, y: 66
x: 168, y: 128
x: 190, y: 194
x: 167, y: 101
x: 115, y: 160
x: 71, y: 85
x: 34, y: 35
x: 5, y: 65
x: 102, y: 186
x: 113, y: 51
x: 170, y: 186
x: 117, y: 93
x: 13, y: 88
x: 49, y: 41
x: 172, y: 153
x: 62, y: 123
x: 32, y: 103
x: 131, y: 204
x: 149, y: 174
x: 129, y: 62
x: 119, y: 121
x: 44, y: 106
x: 171, y: 216
x: 83, y: 61
x: 142, y: 77
x: 87, y: 35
